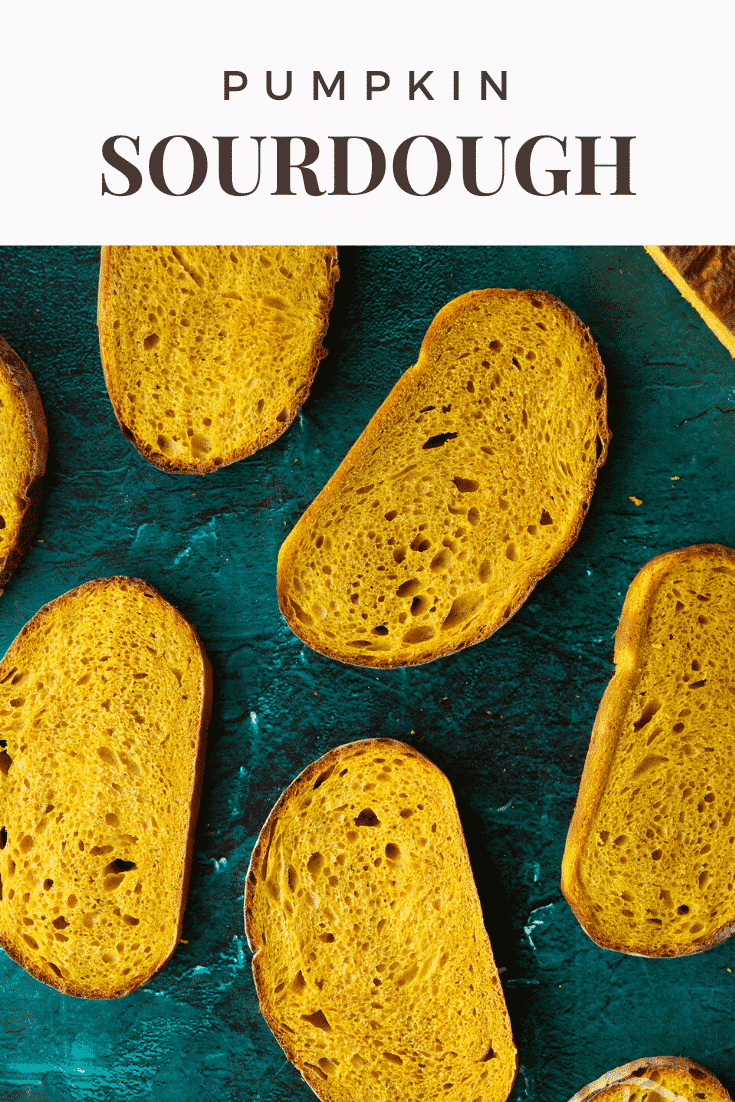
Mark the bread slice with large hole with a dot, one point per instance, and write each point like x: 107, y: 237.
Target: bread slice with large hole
x: 656, y: 1079
x: 210, y: 351
x: 23, y: 452
x: 104, y: 703
x: 649, y: 864
x: 466, y: 487
x: 372, y: 964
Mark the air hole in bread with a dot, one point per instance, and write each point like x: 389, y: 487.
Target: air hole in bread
x: 367, y: 817
x: 392, y: 1058
x: 419, y: 634
x: 545, y: 518
x: 119, y: 865
x: 647, y: 714
x: 60, y: 923
x: 318, y: 1019
x: 315, y: 864
x: 323, y: 777
x: 393, y: 852
x: 466, y: 485
x: 150, y: 341
x: 439, y: 440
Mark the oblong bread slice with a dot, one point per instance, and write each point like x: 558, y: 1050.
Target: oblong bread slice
x: 23, y: 454
x: 655, y: 1079
x: 372, y: 963
x: 466, y: 487
x: 648, y: 865
x: 209, y: 351
x: 105, y: 698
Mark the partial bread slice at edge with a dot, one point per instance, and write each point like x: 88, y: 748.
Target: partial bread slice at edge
x: 635, y: 1074
x: 723, y: 332
x: 278, y: 872
x: 163, y: 452
x: 57, y: 851
x: 21, y: 520
x: 614, y: 707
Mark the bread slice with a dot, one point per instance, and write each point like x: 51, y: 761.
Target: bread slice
x: 705, y: 275
x: 649, y: 864
x: 372, y: 964
x: 655, y: 1079
x: 467, y: 486
x: 210, y: 351
x: 104, y: 703
x: 23, y: 452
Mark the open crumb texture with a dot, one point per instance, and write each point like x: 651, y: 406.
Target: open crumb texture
x: 655, y: 1079
x: 467, y: 486
x: 23, y: 453
x: 104, y: 703
x: 210, y: 351
x: 649, y: 865
x: 372, y: 964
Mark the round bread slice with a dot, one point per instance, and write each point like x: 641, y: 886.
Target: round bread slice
x: 209, y: 351
x: 23, y: 453
x: 648, y: 865
x: 655, y: 1079
x: 372, y: 963
x: 466, y: 487
x: 105, y: 698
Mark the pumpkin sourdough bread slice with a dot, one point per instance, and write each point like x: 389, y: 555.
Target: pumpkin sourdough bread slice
x: 705, y: 275
x: 104, y: 703
x: 649, y: 864
x: 655, y: 1079
x: 23, y: 452
x: 466, y: 487
x: 372, y: 964
x: 210, y: 351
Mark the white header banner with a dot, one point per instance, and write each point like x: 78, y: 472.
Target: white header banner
x: 390, y: 123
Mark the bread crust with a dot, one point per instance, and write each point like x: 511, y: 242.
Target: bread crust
x: 254, y: 874
x: 603, y: 741
x: 105, y: 319
x: 205, y: 710
x: 34, y: 422
x: 443, y: 320
x: 705, y: 276
x: 631, y: 1073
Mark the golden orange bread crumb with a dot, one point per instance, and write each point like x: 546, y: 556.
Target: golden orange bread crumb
x: 649, y: 864
x: 23, y: 453
x: 655, y: 1079
x: 105, y: 698
x: 466, y: 487
x: 372, y: 963
x: 210, y: 351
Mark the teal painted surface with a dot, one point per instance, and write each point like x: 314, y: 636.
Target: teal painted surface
x: 508, y: 720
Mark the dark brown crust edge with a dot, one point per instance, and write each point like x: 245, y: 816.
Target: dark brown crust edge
x: 444, y: 317
x: 104, y: 318
x: 35, y: 423
x: 649, y: 1063
x: 294, y: 790
x: 628, y: 637
x: 205, y: 710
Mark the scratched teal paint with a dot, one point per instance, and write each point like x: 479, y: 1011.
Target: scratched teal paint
x: 508, y: 720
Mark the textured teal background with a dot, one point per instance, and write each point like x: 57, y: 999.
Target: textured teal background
x: 508, y: 720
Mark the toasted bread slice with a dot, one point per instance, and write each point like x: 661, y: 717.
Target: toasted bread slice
x: 372, y: 964
x: 649, y: 861
x: 104, y: 703
x: 467, y: 486
x: 655, y: 1079
x: 210, y: 351
x: 23, y: 448
x: 705, y: 275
